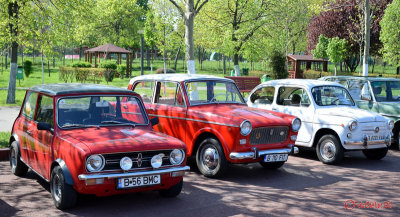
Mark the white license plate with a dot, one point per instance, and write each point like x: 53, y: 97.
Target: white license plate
x: 138, y: 181
x: 375, y: 138
x: 275, y: 157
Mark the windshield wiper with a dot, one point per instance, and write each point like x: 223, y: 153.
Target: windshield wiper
x: 119, y: 122
x: 79, y: 125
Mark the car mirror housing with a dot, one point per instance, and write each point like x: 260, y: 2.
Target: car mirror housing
x: 366, y: 97
x: 154, y: 121
x: 44, y: 126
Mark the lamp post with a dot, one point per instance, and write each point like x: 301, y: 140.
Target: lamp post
x: 141, y: 32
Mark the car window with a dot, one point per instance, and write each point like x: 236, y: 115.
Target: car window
x: 331, y: 95
x: 30, y: 105
x: 145, y: 90
x: 386, y: 91
x: 293, y: 96
x: 357, y: 88
x: 45, y: 110
x: 169, y: 93
x: 213, y: 91
x: 263, y: 95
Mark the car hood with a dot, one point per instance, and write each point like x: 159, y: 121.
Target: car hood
x: 351, y: 113
x: 235, y: 114
x: 116, y: 139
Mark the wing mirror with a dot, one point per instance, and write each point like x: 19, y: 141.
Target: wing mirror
x: 366, y: 97
x: 154, y: 121
x: 45, y: 126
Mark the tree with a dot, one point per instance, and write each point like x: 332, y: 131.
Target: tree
x: 390, y: 34
x: 320, y: 50
x: 336, y: 50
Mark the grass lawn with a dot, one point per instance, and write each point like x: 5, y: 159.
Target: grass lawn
x: 4, y: 139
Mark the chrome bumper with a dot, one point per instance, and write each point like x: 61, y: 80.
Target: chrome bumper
x: 367, y: 143
x: 131, y: 174
x: 256, y: 153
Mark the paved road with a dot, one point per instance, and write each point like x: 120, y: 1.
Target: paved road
x: 7, y: 117
x: 303, y: 186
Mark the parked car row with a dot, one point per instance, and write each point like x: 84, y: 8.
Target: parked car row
x: 102, y: 140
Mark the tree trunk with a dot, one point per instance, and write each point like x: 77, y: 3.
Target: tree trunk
x: 189, y: 24
x: 148, y: 57
x: 367, y: 38
x: 64, y: 57
x: 373, y: 66
x: 236, y: 64
x: 48, y: 66
x: 224, y: 64
x: 13, y: 9
x: 80, y: 52
x: 5, y: 60
x: 398, y: 70
x: 176, y: 57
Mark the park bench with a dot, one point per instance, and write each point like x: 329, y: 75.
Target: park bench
x: 245, y: 83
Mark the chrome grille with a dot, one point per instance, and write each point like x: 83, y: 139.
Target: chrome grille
x: 268, y: 135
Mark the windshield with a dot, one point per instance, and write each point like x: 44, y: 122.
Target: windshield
x: 331, y: 95
x: 88, y: 111
x: 201, y: 92
x: 386, y: 91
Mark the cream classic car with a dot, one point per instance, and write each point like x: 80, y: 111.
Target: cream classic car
x: 331, y: 122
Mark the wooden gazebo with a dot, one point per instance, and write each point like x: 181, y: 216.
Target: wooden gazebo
x: 295, y: 62
x: 104, y: 51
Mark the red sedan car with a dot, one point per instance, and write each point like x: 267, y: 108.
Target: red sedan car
x: 93, y: 139
x: 209, y: 114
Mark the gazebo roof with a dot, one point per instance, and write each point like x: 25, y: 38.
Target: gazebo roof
x: 306, y: 58
x: 108, y: 48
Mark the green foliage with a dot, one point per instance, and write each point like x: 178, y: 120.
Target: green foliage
x: 27, y: 68
x: 121, y: 69
x: 321, y: 48
x: 336, y: 50
x: 82, y: 75
x: 108, y: 65
x: 109, y: 75
x: 390, y: 33
x: 278, y: 66
x: 4, y: 139
x: 312, y: 74
x: 81, y: 65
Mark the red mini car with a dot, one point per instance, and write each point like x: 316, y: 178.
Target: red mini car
x: 93, y: 139
x: 209, y: 114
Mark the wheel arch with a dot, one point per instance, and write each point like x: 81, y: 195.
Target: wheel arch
x: 206, y: 133
x: 64, y: 168
x: 322, y: 132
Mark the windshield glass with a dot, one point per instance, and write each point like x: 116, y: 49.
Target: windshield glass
x: 201, y: 92
x: 331, y: 95
x: 88, y: 111
x: 386, y: 91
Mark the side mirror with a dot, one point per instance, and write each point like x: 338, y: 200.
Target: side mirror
x: 45, y: 126
x: 154, y: 121
x: 366, y: 97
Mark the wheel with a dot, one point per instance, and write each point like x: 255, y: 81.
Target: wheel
x: 64, y: 195
x: 18, y: 167
x: 173, y: 191
x: 210, y: 158
x: 396, y: 143
x: 375, y: 154
x: 272, y: 165
x: 329, y: 150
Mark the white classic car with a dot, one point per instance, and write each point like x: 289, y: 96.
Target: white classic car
x: 331, y: 122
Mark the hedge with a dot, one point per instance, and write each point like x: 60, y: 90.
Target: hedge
x: 83, y: 75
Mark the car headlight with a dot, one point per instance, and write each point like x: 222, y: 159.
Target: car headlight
x: 156, y: 161
x: 95, y: 163
x: 245, y: 128
x: 296, y: 124
x: 391, y: 124
x: 352, y: 125
x: 126, y: 163
x: 176, y: 156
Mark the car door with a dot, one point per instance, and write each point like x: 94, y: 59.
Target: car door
x: 43, y: 138
x: 296, y: 101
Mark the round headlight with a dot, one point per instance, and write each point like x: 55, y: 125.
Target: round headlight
x: 126, y: 163
x: 296, y: 124
x: 156, y: 161
x: 391, y: 124
x: 176, y: 156
x: 95, y: 163
x: 245, y: 128
x: 352, y: 125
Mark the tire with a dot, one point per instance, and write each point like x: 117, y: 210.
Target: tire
x: 272, y: 165
x: 396, y: 144
x: 18, y: 167
x: 329, y: 150
x: 173, y: 191
x: 375, y: 154
x: 210, y: 158
x: 64, y: 195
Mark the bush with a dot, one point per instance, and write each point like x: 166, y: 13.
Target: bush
x: 109, y: 68
x: 109, y: 75
x: 161, y: 71
x: 121, y: 70
x: 312, y: 74
x: 27, y: 68
x: 278, y: 66
x: 80, y: 74
x: 82, y: 65
x: 108, y: 65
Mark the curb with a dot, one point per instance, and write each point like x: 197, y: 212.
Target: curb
x: 4, y: 154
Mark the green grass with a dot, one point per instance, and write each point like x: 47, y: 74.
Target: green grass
x: 4, y: 139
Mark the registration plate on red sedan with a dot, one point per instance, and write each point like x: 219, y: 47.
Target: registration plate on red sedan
x: 138, y: 181
x: 275, y: 157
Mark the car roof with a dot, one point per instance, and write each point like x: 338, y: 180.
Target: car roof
x: 177, y: 77
x: 74, y: 88
x: 345, y: 77
x: 300, y: 82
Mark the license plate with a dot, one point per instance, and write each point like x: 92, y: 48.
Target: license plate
x: 138, y: 181
x: 275, y: 157
x: 375, y: 138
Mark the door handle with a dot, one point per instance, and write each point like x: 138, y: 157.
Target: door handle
x: 125, y: 106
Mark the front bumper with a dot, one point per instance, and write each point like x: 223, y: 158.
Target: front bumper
x: 132, y: 174
x: 256, y: 153
x: 365, y: 144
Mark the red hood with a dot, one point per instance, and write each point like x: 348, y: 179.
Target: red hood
x: 117, y: 139
x: 235, y: 114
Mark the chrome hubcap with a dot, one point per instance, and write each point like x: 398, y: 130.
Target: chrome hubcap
x: 328, y: 150
x: 210, y: 158
x: 56, y: 188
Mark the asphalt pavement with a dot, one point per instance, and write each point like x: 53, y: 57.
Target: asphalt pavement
x: 7, y: 117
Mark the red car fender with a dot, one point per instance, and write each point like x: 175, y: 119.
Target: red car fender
x: 215, y: 133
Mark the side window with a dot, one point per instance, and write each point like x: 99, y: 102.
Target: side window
x: 30, y: 105
x: 169, y: 93
x: 45, y: 110
x: 145, y: 90
x: 293, y: 97
x: 264, y: 95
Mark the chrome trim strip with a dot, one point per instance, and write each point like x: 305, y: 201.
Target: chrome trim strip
x: 366, y: 143
x: 189, y: 119
x: 122, y: 175
x: 251, y: 155
x: 34, y: 170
